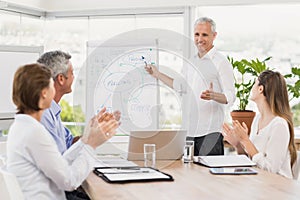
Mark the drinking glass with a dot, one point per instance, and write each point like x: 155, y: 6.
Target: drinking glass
x: 188, y: 151
x: 149, y: 155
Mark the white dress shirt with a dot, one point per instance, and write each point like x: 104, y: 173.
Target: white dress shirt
x: 272, y: 143
x: 41, y: 170
x: 205, y: 116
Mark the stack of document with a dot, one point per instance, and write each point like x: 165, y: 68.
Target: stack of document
x: 224, y: 161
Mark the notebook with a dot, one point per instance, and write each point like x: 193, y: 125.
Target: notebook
x: 169, y: 144
x: 224, y: 161
x: 131, y: 174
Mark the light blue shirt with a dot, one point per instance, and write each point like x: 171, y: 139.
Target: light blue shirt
x: 52, y: 122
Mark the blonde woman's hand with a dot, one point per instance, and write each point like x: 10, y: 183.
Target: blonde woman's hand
x: 97, y: 133
x: 117, y: 115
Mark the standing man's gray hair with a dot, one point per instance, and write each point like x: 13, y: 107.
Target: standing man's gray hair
x: 57, y: 61
x: 206, y: 20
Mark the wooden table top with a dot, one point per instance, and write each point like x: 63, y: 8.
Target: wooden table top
x: 193, y: 181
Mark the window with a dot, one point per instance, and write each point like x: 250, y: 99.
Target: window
x: 70, y: 34
x: 259, y: 31
x: 19, y: 29
x: 10, y: 29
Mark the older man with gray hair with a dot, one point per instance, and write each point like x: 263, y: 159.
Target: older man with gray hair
x: 208, y: 85
x: 62, y: 73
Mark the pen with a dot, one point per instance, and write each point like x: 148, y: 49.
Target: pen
x: 128, y: 168
x: 127, y: 172
x: 143, y: 58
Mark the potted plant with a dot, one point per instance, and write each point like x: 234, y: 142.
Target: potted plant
x: 293, y: 88
x: 245, y: 74
x: 293, y: 85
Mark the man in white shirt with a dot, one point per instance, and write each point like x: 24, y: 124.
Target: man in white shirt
x: 209, y: 85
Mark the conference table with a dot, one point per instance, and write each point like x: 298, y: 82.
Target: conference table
x: 193, y: 181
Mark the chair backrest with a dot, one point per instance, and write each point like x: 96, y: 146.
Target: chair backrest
x: 3, y: 147
x: 296, y: 166
x: 2, y: 153
x: 9, y: 186
x: 2, y: 161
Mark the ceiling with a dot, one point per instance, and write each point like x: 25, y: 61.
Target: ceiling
x: 80, y: 5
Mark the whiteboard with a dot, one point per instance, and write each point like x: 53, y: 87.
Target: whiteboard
x: 117, y: 80
x: 12, y: 57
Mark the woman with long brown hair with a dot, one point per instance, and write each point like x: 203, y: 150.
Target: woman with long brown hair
x: 271, y: 142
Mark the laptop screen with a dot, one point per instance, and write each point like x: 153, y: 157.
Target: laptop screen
x: 169, y: 143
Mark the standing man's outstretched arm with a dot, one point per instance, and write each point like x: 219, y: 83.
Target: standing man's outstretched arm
x: 153, y: 71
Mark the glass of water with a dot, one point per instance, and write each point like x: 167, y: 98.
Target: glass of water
x: 149, y: 155
x: 188, y: 155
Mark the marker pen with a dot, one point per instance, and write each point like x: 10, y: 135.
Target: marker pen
x: 143, y: 58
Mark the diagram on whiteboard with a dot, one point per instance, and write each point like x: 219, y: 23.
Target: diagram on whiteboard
x: 118, y: 81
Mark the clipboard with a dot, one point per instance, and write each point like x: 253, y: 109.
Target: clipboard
x: 131, y: 174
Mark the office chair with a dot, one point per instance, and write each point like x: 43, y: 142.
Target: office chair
x: 296, y: 166
x: 2, y: 153
x: 2, y: 161
x: 3, y: 147
x: 9, y: 186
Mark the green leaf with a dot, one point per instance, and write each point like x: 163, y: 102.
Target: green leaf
x: 246, y: 68
x: 296, y: 71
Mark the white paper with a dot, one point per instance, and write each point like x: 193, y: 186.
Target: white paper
x: 151, y: 174
x: 224, y: 161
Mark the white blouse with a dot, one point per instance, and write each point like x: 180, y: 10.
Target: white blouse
x: 272, y: 144
x: 41, y: 170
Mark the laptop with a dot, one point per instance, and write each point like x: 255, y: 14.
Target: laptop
x: 169, y: 144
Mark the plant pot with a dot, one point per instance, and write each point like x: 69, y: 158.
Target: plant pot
x: 246, y: 116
